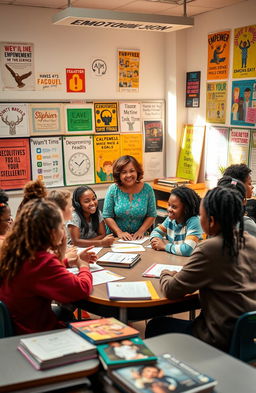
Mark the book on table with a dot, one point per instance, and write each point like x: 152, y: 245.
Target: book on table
x: 156, y: 269
x: 103, y: 330
x: 135, y: 290
x: 167, y: 375
x: 116, y: 259
x: 56, y: 349
x: 173, y: 181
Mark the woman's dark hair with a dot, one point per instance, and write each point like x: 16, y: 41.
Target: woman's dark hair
x: 235, y: 184
x: 225, y: 205
x: 250, y: 208
x: 119, y: 165
x: 238, y: 171
x: 190, y: 199
x: 78, y: 208
x: 34, y: 189
x: 3, y: 201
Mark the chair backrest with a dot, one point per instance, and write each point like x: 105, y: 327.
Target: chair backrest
x: 243, y: 343
x: 6, y: 329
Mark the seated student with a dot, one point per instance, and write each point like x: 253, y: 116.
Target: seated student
x: 250, y: 209
x: 5, y: 216
x: 182, y: 227
x: 243, y: 173
x: 34, y: 189
x: 222, y: 268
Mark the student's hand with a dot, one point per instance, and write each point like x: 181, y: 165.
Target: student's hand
x: 168, y: 273
x: 61, y: 248
x: 87, y: 256
x: 107, y: 241
x: 71, y: 255
x: 124, y: 235
x: 138, y: 235
x: 157, y: 244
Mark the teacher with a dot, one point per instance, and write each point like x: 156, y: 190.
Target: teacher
x: 130, y: 205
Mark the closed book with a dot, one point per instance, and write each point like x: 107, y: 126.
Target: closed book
x: 135, y: 290
x: 116, y: 259
x: 173, y: 181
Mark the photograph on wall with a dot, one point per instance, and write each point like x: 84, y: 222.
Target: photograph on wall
x: 17, y: 65
x: 15, y: 163
x: 153, y: 134
x: 193, y: 89
x: 78, y: 160
x: 128, y: 70
x: 252, y: 153
x: 50, y: 81
x: 132, y: 144
x: 75, y: 80
x: 79, y: 118
x: 238, y: 147
x: 14, y: 120
x: 218, y: 55
x: 106, y: 116
x: 216, y: 97
x: 243, y: 103
x: 106, y: 150
x: 152, y: 110
x: 47, y: 160
x: 244, y: 52
x: 130, y: 120
x: 46, y: 119
x: 153, y: 166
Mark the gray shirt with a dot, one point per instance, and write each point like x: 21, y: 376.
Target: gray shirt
x: 76, y: 221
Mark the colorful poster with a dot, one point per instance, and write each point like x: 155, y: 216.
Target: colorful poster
x: 78, y: 160
x: 216, y: 153
x: 152, y: 110
x: 45, y: 119
x: 243, y: 103
x: 238, y: 150
x: 153, y: 131
x: 128, y: 70
x: 49, y: 81
x: 218, y: 55
x: 106, y: 119
x: 79, y: 118
x: 75, y: 80
x: 244, y: 60
x: 17, y: 65
x: 216, y: 102
x: 14, y: 163
x: 13, y: 120
x: 106, y: 150
x: 191, y: 152
x: 193, y: 89
x: 252, y: 164
x: 130, y: 117
x: 47, y: 160
x: 153, y: 165
x: 132, y: 144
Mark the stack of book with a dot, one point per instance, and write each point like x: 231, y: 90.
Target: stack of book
x: 118, y: 259
x: 173, y: 181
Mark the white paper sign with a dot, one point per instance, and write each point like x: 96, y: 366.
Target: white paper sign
x: 13, y: 120
x: 130, y: 120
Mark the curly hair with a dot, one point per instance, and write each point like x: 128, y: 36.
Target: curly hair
x: 59, y: 197
x: 119, y: 165
x: 190, y: 199
x: 78, y: 192
x: 34, y: 189
x: 238, y: 171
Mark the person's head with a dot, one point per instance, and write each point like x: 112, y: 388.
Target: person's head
x: 149, y: 371
x: 127, y: 170
x: 183, y: 203
x: 235, y: 184
x: 107, y: 167
x: 127, y: 342
x: 63, y: 201
x: 236, y: 93
x: 247, y: 93
x: 250, y: 208
x: 5, y: 213
x: 243, y: 173
x: 85, y: 203
x: 34, y: 189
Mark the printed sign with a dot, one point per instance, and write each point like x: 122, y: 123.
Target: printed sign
x: 13, y: 120
x: 75, y: 80
x: 153, y: 165
x: 99, y: 67
x: 46, y: 119
x: 216, y: 97
x: 48, y: 80
x: 244, y: 60
x: 132, y: 144
x: 152, y: 110
x: 107, y: 150
x: 128, y: 70
x: 153, y: 135
x: 218, y: 55
x: 243, y: 109
x: 238, y: 151
x: 79, y: 118
x: 130, y: 117
x: 193, y: 89
x: 106, y: 117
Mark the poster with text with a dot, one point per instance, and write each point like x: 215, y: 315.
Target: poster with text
x: 46, y: 119
x: 106, y: 118
x: 17, y: 65
x: 243, y: 103
x: 132, y: 144
x: 216, y: 153
x: 128, y: 70
x: 153, y: 166
x: 129, y: 113
x: 238, y: 149
x: 106, y: 150
x: 152, y: 110
x: 153, y: 134
x: 252, y: 163
x: 78, y: 160
x: 50, y: 81
x: 193, y: 89
x: 14, y: 120
x: 79, y: 118
x: 216, y: 98
x: 218, y: 55
x: 244, y: 52
x: 75, y: 80
x: 14, y: 163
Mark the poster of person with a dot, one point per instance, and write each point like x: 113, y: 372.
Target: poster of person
x: 132, y: 144
x: 243, y: 103
x: 17, y: 65
x: 128, y: 70
x: 78, y: 160
x: 153, y: 165
x: 47, y: 160
x: 106, y: 150
x: 218, y: 55
x: 152, y: 110
x: 153, y: 134
x: 130, y: 120
x: 79, y: 118
x: 14, y: 163
x: 244, y: 52
x: 193, y: 89
x: 238, y: 149
x: 46, y: 119
x: 49, y: 81
x: 252, y: 163
x: 106, y: 116
x: 216, y: 97
x: 14, y: 120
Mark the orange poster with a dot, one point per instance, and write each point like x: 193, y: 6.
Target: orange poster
x: 75, y: 79
x: 218, y: 55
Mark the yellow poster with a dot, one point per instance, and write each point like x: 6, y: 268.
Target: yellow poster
x: 216, y: 96
x: 106, y: 117
x: 131, y: 144
x: 128, y: 70
x: 218, y: 55
x: 238, y: 150
x: 106, y: 151
x: 244, y: 61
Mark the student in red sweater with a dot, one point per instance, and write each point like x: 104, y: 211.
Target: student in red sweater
x: 32, y: 275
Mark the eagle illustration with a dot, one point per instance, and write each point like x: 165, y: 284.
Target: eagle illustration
x: 18, y: 78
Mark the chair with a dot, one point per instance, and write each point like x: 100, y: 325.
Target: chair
x: 243, y: 342
x: 6, y: 328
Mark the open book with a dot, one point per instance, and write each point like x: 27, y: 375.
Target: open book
x: 135, y: 290
x: 118, y: 259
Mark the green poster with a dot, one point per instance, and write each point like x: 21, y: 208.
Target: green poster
x: 79, y: 119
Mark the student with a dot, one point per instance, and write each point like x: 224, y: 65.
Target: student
x: 87, y: 226
x: 31, y: 276
x: 34, y: 189
x: 242, y: 173
x: 5, y: 216
x: 250, y: 209
x: 182, y: 227
x: 222, y: 268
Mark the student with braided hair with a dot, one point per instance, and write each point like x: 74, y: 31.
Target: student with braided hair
x: 243, y: 173
x: 221, y: 267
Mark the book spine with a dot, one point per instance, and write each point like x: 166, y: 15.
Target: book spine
x: 80, y: 332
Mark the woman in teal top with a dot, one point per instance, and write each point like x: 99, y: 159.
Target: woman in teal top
x: 129, y: 206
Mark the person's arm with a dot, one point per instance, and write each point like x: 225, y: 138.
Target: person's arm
x: 150, y: 216
x: 99, y: 241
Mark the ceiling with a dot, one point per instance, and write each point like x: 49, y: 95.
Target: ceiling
x: 161, y: 7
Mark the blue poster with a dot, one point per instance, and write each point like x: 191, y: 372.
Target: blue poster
x: 243, y: 104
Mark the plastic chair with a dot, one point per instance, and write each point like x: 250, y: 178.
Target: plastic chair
x: 6, y: 329
x: 243, y: 342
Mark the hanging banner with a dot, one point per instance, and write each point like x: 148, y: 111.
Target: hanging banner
x: 49, y: 81
x: 216, y: 154
x: 75, y: 80
x: 216, y: 102
x: 130, y: 117
x: 45, y: 119
x: 132, y: 144
x: 152, y: 110
x: 243, y: 105
x: 128, y: 70
x: 238, y: 150
x: 244, y: 60
x: 252, y: 163
x: 193, y: 89
x: 218, y: 55
x: 106, y: 150
x: 79, y: 118
x: 13, y: 120
x: 153, y: 132
x: 106, y: 119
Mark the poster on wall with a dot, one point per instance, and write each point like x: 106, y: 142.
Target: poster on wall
x: 132, y: 144
x: 193, y: 89
x: 98, y: 67
x: 75, y: 80
x: 153, y: 166
x: 238, y: 149
x: 243, y: 103
x: 152, y: 110
x: 45, y: 119
x: 129, y: 113
x: 252, y: 163
x: 106, y: 150
x: 244, y: 52
x: 216, y: 153
x: 79, y: 118
x: 128, y: 70
x: 15, y: 163
x: 47, y: 160
x: 78, y: 160
x: 218, y: 55
x: 14, y: 120
x: 17, y: 65
x: 153, y: 134
x: 106, y: 118
x: 49, y: 81
x: 216, y: 98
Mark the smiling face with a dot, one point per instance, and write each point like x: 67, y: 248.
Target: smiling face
x: 175, y: 209
x: 128, y: 175
x: 88, y: 202
x: 248, y: 186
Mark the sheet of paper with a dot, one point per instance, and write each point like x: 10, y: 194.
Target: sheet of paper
x: 139, y: 241
x: 127, y: 247
x: 94, y: 249
x: 93, y: 268
x: 103, y: 276
x: 116, y: 257
x: 129, y: 290
x: 156, y: 269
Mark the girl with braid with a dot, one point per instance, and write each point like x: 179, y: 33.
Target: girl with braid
x: 182, y: 227
x: 221, y: 267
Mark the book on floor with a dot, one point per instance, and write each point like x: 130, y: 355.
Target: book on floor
x: 135, y: 290
x: 167, y: 375
x: 56, y: 349
x: 156, y: 269
x: 118, y: 259
x: 103, y: 330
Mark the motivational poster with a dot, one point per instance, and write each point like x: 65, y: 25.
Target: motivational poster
x: 152, y: 110
x: 244, y: 52
x: 216, y: 154
x: 75, y: 80
x: 238, y: 150
x: 46, y: 119
x: 216, y: 97
x: 218, y: 55
x: 243, y: 103
x: 49, y: 81
x: 128, y: 70
x: 130, y: 120
x: 132, y: 144
x: 106, y: 150
x: 106, y: 118
x: 79, y: 118
x: 14, y: 120
x: 193, y: 89
x: 153, y: 133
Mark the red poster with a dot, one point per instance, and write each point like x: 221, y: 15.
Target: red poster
x: 75, y: 79
x: 15, y: 169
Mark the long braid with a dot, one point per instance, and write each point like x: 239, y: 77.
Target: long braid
x: 190, y: 199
